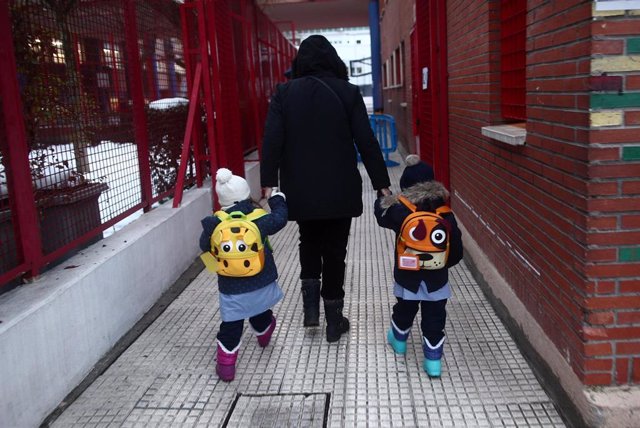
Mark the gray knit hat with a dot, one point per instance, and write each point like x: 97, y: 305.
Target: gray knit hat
x: 416, y: 171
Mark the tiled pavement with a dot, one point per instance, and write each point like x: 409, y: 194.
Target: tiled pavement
x: 166, y: 378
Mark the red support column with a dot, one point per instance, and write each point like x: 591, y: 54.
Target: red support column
x: 253, y: 93
x: 206, y: 39
x: 137, y: 94
x: 441, y: 79
x: 189, y: 29
x: 25, y: 215
x: 186, y: 142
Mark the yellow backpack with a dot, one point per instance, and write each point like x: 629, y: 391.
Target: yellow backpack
x: 423, y: 241
x: 237, y: 248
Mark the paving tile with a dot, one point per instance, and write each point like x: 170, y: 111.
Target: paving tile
x: 166, y: 378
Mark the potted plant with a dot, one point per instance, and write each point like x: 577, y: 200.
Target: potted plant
x: 65, y: 196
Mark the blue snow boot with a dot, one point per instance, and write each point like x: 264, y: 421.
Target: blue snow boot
x: 432, y: 357
x: 398, y: 339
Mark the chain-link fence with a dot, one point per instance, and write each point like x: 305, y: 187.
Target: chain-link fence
x: 95, y: 104
x: 102, y: 88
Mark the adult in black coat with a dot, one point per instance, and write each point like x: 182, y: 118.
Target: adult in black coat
x: 314, y: 124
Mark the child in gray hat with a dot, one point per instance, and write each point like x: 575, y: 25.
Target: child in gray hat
x: 428, y: 242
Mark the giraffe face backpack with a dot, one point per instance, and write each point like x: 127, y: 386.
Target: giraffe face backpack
x: 423, y: 241
x: 237, y: 247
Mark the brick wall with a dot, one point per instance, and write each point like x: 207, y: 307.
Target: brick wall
x: 397, y: 19
x: 527, y: 206
x: 612, y: 307
x: 560, y: 216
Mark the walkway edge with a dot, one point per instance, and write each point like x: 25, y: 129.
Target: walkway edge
x: 553, y: 372
x: 57, y: 328
x: 147, y: 319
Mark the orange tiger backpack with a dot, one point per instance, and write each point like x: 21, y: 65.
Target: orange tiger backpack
x: 423, y: 241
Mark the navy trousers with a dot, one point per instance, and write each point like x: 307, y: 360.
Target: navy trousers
x: 434, y: 317
x: 231, y: 332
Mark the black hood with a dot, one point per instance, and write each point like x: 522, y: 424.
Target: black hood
x: 316, y: 55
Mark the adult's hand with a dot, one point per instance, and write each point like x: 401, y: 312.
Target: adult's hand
x: 266, y: 191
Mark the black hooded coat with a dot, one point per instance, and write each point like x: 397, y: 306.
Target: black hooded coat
x: 310, y: 132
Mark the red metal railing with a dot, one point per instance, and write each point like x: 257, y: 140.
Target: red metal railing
x: 95, y: 106
x: 246, y: 56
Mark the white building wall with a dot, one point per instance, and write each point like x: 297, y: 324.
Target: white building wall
x: 351, y: 44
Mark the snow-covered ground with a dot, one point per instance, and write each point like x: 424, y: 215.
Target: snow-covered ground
x: 166, y: 103
x: 115, y: 164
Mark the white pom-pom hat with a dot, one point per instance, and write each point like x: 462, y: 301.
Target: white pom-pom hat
x: 231, y: 188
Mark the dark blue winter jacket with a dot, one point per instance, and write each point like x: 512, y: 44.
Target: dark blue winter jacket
x: 390, y: 213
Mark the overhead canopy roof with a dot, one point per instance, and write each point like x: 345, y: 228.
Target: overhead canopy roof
x: 314, y: 14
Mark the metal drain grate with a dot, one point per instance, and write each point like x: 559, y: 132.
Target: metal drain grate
x: 279, y: 410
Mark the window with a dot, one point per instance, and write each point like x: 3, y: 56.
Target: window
x: 398, y: 68
x: 111, y: 55
x: 82, y: 57
x: 513, y: 31
x: 51, y: 50
x: 58, y: 52
x: 392, y: 69
x: 385, y: 74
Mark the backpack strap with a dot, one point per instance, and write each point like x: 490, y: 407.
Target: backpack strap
x: 344, y: 108
x: 256, y: 214
x: 407, y: 203
x: 222, y: 215
x: 252, y: 216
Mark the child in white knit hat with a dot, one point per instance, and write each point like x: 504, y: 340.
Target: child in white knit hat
x: 251, y: 296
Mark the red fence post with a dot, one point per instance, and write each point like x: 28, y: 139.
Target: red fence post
x: 137, y: 95
x: 250, y: 36
x: 21, y: 188
x: 188, y: 134
x: 215, y: 90
x: 213, y: 134
x: 189, y: 30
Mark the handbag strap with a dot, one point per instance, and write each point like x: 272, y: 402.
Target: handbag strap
x: 344, y: 108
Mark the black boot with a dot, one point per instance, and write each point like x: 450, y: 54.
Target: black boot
x: 337, y: 324
x: 311, y: 302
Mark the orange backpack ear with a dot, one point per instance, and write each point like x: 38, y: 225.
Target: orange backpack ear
x: 443, y: 210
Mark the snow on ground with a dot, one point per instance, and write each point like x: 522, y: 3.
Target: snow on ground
x: 166, y: 103
x: 115, y: 164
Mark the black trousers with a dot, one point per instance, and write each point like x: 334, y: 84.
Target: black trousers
x: 231, y: 331
x: 434, y: 317
x: 323, y: 250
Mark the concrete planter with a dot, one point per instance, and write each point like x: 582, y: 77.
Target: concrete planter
x: 64, y: 216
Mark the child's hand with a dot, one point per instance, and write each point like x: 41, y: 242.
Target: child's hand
x: 384, y: 192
